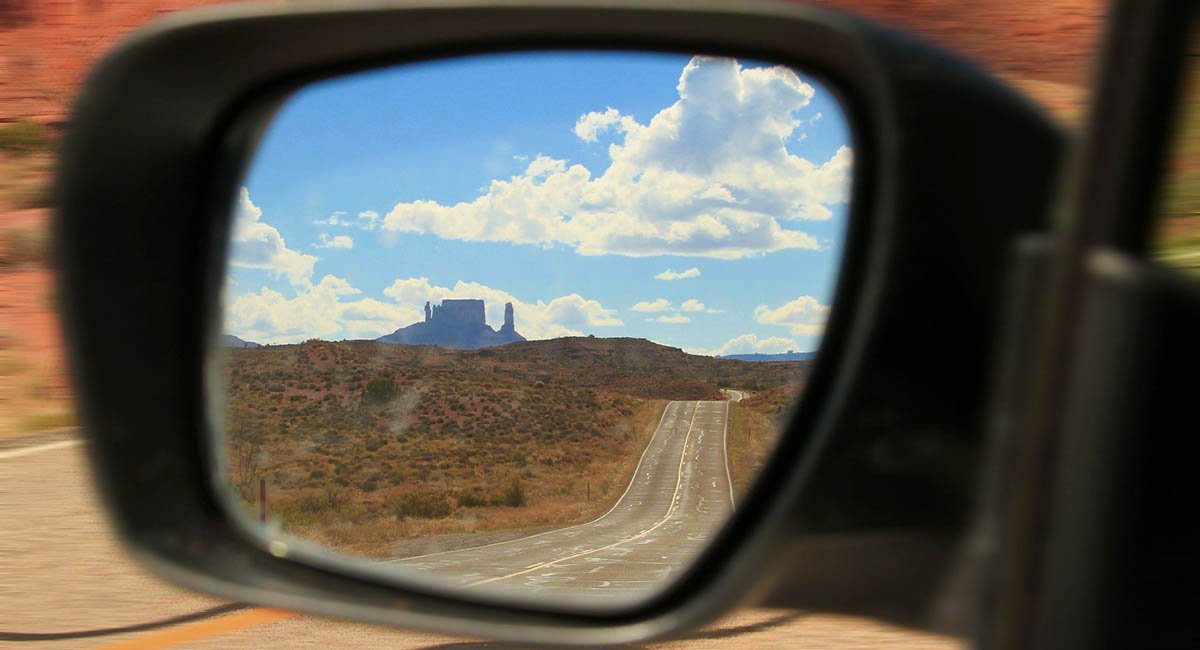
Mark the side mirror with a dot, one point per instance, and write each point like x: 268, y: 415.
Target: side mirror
x: 860, y: 507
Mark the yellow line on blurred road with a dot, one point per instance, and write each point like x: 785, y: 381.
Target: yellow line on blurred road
x: 202, y: 630
x: 25, y: 451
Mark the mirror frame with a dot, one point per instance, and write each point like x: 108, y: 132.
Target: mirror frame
x: 205, y: 83
x: 246, y: 135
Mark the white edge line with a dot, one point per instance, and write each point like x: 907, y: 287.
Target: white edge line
x: 25, y: 451
x: 632, y: 479
x: 667, y: 517
x: 725, y: 451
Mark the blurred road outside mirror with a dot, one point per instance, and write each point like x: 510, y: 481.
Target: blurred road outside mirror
x: 527, y: 323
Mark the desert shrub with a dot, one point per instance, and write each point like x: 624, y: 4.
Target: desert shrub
x: 305, y: 507
x: 380, y: 390
x: 308, y: 503
x: 24, y: 137
x: 514, y: 497
x: 476, y: 498
x: 24, y: 246
x: 421, y: 505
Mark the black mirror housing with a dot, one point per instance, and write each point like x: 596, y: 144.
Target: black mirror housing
x: 869, y: 495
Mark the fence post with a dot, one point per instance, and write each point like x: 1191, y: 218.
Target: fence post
x: 262, y: 500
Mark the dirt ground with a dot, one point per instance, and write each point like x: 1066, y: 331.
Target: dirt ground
x: 34, y: 390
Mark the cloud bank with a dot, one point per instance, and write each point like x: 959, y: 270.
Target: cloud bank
x: 681, y: 275
x: 751, y: 344
x: 804, y: 316
x: 337, y: 241
x: 708, y: 176
x: 332, y: 309
x: 652, y: 305
x: 569, y: 315
x: 256, y: 244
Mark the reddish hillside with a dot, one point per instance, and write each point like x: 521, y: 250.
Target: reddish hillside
x: 46, y: 46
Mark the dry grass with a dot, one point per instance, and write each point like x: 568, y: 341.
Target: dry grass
x: 25, y: 178
x: 369, y: 527
x: 364, y: 444
x: 751, y: 437
x: 47, y: 420
x: 754, y: 430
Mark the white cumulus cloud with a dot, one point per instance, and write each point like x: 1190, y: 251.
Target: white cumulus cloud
x: 709, y: 175
x: 337, y: 241
x: 751, y: 344
x: 803, y: 316
x: 652, y: 306
x: 681, y: 275
x: 335, y: 219
x: 567, y: 315
x: 590, y: 125
x: 674, y: 319
x: 691, y: 304
x: 326, y: 310
x: 368, y: 219
x: 333, y: 309
x: 258, y: 245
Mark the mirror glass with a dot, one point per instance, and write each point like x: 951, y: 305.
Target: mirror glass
x: 530, y: 322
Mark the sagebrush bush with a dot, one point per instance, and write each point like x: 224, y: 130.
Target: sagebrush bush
x: 421, y: 504
x: 380, y: 390
x: 515, y: 496
x: 476, y: 498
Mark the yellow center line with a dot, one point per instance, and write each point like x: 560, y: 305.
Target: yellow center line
x: 202, y: 629
x: 667, y: 517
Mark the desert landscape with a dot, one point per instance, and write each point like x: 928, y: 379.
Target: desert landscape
x: 362, y: 443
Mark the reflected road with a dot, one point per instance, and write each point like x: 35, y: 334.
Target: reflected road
x: 676, y: 501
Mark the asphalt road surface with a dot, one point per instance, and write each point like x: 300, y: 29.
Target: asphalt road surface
x: 678, y: 498
x: 735, y: 395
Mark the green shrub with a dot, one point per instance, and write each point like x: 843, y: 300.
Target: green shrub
x: 23, y: 137
x: 421, y: 505
x: 380, y: 390
x: 515, y: 496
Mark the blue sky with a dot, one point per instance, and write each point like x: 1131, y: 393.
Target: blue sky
x: 694, y: 201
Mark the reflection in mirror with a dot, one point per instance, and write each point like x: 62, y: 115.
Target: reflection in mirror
x: 530, y: 322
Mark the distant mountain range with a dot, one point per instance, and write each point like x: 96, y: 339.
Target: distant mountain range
x: 231, y: 341
x: 784, y: 356
x: 456, y: 324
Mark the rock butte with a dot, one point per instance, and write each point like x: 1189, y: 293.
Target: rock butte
x: 457, y: 324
